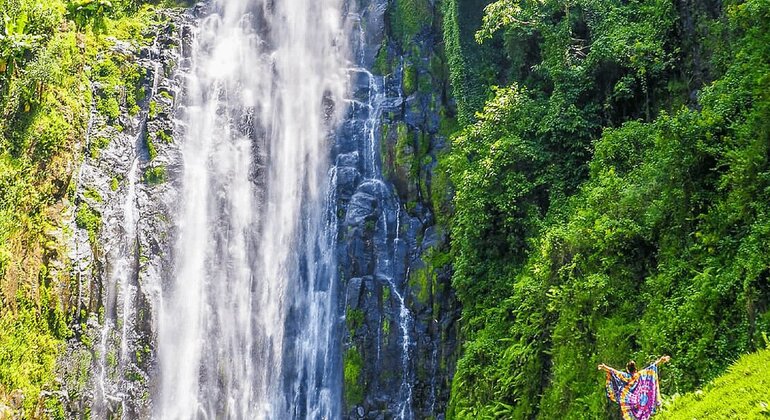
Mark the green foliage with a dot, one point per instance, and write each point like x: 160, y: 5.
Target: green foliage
x: 354, y: 388
x: 354, y: 319
x: 90, y: 220
x: 92, y: 194
x: 421, y: 281
x: 31, y: 339
x: 466, y: 59
x: 739, y: 393
x: 96, y: 145
x: 85, y: 12
x: 408, y: 17
x: 15, y: 42
x: 164, y: 137
x: 152, y: 151
x: 382, y: 65
x: 119, y: 80
x: 155, y: 175
x: 45, y: 99
x: 593, y: 224
x: 409, y: 83
x: 153, y: 113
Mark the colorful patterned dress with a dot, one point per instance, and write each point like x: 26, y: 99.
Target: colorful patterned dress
x: 638, y: 394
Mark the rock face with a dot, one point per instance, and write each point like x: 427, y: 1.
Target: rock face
x: 399, y: 309
x: 121, y: 231
x: 399, y: 335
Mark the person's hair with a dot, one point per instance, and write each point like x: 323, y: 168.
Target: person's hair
x: 631, y: 367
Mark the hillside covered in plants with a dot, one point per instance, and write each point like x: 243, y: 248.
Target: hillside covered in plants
x: 519, y: 191
x: 738, y: 393
x: 611, y: 185
x: 54, y: 55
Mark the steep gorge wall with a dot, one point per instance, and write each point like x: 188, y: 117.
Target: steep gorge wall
x: 400, y: 311
x: 122, y: 227
x: 71, y: 86
x: 105, y: 264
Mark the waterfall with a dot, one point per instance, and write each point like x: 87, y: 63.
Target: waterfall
x: 246, y: 319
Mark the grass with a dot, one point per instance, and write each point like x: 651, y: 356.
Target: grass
x: 742, y: 392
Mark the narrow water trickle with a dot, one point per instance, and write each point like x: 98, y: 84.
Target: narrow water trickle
x: 377, y: 102
x: 246, y: 326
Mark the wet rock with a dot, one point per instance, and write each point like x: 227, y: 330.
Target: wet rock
x: 119, y: 268
x: 390, y: 250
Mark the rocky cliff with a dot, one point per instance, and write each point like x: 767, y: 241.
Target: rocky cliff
x: 400, y: 311
x: 397, y: 310
x: 122, y: 224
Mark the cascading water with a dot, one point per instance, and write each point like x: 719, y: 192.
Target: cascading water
x: 118, y: 307
x: 119, y: 293
x: 246, y: 322
x: 366, y: 116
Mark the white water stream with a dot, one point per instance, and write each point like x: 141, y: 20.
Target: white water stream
x: 245, y: 328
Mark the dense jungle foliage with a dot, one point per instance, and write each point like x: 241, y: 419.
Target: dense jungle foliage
x: 612, y: 196
x: 50, y: 53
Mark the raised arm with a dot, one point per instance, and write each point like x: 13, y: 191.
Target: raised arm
x: 606, y: 368
x: 662, y: 360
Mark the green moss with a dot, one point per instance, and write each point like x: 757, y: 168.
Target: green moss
x: 114, y: 184
x: 90, y: 220
x: 155, y: 175
x: 409, y: 82
x: 354, y: 387
x: 420, y: 281
x: 438, y: 68
x: 152, y: 151
x: 425, y: 83
x: 119, y: 79
x: 447, y: 124
x: 370, y: 225
x: 354, y: 318
x: 96, y: 145
x: 424, y: 281
x: 164, y: 137
x: 112, y: 359
x: 166, y: 95
x: 153, y: 111
x: 142, y: 354
x: 92, y: 194
x: 404, y: 147
x: 408, y: 17
x: 382, y: 63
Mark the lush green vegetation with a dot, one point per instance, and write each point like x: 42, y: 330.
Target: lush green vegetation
x: 611, y: 197
x: 50, y: 52
x: 739, y: 393
x: 354, y: 388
